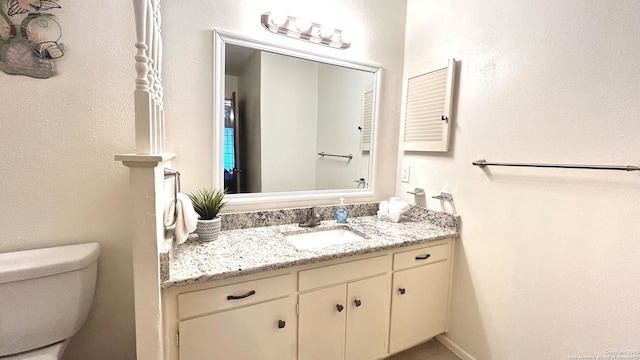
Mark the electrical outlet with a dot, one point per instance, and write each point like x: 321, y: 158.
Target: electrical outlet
x: 406, y: 170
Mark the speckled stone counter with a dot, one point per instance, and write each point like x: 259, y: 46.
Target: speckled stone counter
x: 251, y: 250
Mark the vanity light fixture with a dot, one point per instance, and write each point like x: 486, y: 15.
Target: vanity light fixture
x: 304, y: 30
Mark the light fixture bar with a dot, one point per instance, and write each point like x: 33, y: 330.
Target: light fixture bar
x: 313, y: 32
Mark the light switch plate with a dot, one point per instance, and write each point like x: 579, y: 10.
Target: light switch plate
x: 404, y: 177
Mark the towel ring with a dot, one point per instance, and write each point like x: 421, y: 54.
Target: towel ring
x: 168, y: 173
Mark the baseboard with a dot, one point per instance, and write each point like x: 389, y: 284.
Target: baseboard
x: 455, y: 348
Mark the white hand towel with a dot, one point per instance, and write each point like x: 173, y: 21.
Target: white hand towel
x: 399, y: 207
x: 186, y: 219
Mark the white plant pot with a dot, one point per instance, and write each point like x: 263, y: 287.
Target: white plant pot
x: 208, y: 230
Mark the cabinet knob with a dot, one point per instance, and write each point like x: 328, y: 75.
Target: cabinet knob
x: 425, y: 257
x: 339, y: 307
x: 358, y: 302
x: 281, y: 324
x: 402, y: 291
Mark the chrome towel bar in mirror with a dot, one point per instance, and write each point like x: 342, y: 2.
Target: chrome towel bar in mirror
x: 348, y: 156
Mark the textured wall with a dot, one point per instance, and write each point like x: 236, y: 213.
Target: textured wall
x: 58, y: 180
x: 548, y: 262
x: 377, y: 29
x: 60, y: 184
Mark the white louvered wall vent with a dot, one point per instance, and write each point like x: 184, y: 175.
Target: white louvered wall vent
x: 367, y: 115
x: 428, y: 110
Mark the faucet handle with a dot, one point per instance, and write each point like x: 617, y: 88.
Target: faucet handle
x: 315, y: 217
x: 312, y: 219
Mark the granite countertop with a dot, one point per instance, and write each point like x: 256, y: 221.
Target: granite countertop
x: 246, y: 251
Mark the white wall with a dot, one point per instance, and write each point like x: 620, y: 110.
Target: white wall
x: 548, y: 262
x: 60, y: 183
x: 547, y: 266
x: 231, y: 86
x: 377, y: 29
x: 249, y: 128
x: 287, y: 124
x: 338, y: 119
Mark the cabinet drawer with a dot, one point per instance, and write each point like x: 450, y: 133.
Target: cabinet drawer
x: 334, y: 274
x: 225, y: 297
x: 425, y: 255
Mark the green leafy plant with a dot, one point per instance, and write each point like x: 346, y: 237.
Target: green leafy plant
x: 207, y: 203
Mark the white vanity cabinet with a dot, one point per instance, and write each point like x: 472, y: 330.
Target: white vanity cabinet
x: 364, y: 307
x: 420, y: 295
x: 348, y: 320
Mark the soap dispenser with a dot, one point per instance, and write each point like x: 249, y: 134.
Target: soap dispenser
x: 341, y: 213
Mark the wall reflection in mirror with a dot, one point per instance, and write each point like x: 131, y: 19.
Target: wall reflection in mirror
x: 281, y: 112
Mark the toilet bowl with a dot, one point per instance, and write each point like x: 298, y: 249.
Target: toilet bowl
x: 51, y: 352
x: 46, y: 295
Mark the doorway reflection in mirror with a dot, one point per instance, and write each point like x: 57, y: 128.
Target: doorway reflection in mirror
x: 285, y: 111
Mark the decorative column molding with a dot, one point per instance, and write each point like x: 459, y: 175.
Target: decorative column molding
x: 148, y: 100
x: 146, y: 169
x: 147, y: 207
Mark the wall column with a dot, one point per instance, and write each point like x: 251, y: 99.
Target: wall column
x: 147, y: 204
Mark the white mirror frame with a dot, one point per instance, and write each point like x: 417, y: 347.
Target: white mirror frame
x: 223, y: 37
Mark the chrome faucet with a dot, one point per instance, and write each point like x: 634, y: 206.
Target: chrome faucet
x: 311, y: 220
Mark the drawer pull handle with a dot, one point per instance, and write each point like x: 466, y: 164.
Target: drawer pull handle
x: 339, y: 307
x: 402, y: 291
x: 233, y: 297
x: 423, y: 257
x: 281, y: 324
x: 358, y: 302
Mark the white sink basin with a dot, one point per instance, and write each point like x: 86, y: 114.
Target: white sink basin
x: 322, y: 238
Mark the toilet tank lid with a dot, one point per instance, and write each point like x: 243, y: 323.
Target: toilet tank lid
x: 31, y: 264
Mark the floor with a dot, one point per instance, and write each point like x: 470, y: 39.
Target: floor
x: 431, y: 350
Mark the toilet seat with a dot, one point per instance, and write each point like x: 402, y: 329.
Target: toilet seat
x: 51, y: 352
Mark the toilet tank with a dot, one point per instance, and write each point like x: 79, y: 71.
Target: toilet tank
x: 45, y: 295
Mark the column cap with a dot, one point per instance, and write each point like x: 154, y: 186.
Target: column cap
x: 136, y: 160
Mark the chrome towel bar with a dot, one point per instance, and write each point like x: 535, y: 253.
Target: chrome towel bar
x: 349, y: 156
x: 483, y: 163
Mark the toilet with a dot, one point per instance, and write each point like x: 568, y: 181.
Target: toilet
x: 45, y: 297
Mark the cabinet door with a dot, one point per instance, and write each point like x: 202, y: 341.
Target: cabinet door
x: 419, y: 304
x: 264, y: 331
x: 321, y: 324
x: 367, y: 318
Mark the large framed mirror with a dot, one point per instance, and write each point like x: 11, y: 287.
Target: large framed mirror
x: 291, y: 124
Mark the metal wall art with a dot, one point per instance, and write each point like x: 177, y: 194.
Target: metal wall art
x: 29, y: 37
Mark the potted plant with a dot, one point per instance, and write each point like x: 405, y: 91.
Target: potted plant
x: 208, y: 203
